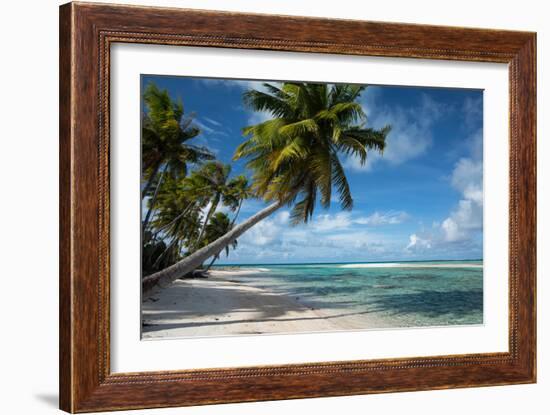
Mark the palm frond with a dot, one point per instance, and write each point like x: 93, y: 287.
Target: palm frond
x: 260, y: 101
x: 303, y: 210
x: 303, y: 127
x: 295, y: 156
x: 322, y: 173
x: 370, y: 138
x: 295, y: 150
x: 341, y: 183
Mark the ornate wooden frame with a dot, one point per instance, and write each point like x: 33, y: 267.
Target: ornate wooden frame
x: 86, y: 33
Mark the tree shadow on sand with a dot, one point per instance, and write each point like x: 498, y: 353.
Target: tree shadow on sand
x: 168, y: 326
x: 179, y: 305
x: 190, y: 306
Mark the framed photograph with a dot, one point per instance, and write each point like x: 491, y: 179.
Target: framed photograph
x: 259, y: 207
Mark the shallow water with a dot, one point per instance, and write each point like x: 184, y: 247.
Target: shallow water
x: 410, y: 294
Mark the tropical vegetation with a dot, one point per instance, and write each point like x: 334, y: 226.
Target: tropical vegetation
x: 293, y: 159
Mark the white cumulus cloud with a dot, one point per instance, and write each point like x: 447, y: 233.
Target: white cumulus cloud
x: 462, y: 227
x: 467, y: 217
x: 416, y: 243
x: 342, y: 235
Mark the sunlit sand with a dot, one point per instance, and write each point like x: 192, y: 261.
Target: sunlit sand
x: 221, y: 305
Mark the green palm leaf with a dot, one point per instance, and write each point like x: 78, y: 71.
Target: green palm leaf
x: 295, y: 156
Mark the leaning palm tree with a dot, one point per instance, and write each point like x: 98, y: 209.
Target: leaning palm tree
x: 295, y: 156
x: 166, y: 134
x: 176, y: 224
x: 179, y: 198
x: 213, y: 178
x: 218, y: 226
x: 238, y: 191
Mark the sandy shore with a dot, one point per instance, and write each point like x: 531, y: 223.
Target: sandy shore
x: 223, y: 305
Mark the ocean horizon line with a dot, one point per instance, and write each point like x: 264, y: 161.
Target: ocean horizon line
x: 345, y: 263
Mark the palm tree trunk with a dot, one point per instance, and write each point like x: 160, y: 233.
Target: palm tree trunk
x: 212, y: 262
x: 217, y: 256
x: 164, y: 252
x: 188, y: 264
x: 153, y: 200
x: 237, y: 213
x: 187, y: 209
x: 150, y: 181
x: 211, y: 211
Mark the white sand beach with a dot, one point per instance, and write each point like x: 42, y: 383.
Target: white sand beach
x: 223, y: 305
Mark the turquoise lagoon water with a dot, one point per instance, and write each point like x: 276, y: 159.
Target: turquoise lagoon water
x: 404, y: 294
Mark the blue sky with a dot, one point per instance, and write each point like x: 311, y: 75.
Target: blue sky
x: 422, y: 199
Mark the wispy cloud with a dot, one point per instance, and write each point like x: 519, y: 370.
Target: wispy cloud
x: 213, y: 122
x: 344, y: 220
x: 328, y: 222
x: 341, y: 235
x: 204, y: 128
x: 384, y: 218
x: 411, y: 130
x: 254, y: 117
x: 242, y: 84
x: 210, y: 131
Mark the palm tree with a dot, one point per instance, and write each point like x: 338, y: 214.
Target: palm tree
x: 179, y: 200
x: 239, y: 191
x: 218, y: 226
x: 153, y: 199
x: 152, y: 249
x: 175, y: 225
x: 212, y: 177
x: 178, y: 221
x: 295, y: 156
x: 166, y: 133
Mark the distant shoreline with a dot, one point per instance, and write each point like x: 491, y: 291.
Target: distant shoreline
x: 410, y: 265
x: 355, y: 265
x: 348, y: 263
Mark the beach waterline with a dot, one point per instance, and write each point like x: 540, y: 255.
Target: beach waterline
x: 345, y: 296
